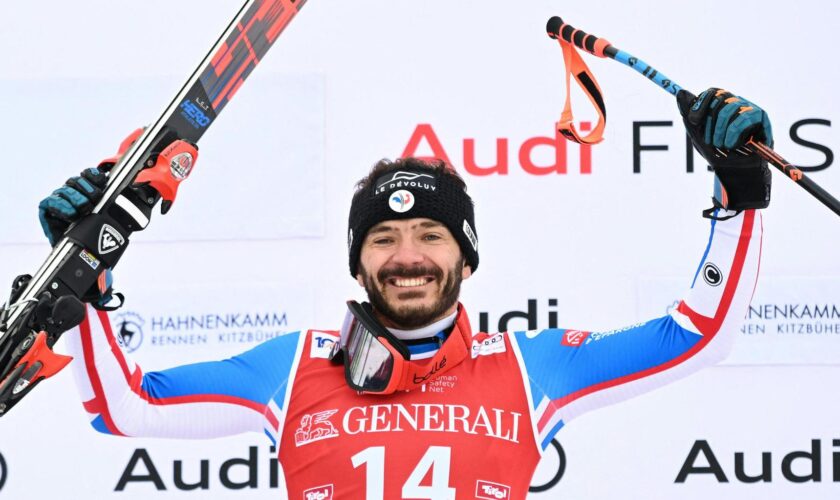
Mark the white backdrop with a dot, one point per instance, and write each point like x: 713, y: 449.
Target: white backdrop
x: 260, y: 227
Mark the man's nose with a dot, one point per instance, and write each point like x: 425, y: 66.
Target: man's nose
x: 408, y: 253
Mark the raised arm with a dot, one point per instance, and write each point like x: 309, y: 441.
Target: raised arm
x: 244, y: 393
x: 572, y: 371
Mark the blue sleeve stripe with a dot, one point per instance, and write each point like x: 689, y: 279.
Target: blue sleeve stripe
x: 253, y: 376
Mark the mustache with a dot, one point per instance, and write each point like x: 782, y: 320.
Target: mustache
x: 409, y: 272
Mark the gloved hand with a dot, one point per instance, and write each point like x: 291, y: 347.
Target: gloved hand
x: 67, y: 205
x: 719, y: 125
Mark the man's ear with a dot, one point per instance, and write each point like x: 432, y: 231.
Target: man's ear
x: 360, y: 280
x: 466, y: 271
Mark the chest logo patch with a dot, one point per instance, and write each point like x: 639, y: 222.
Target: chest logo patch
x: 315, y: 427
x: 484, y: 344
x: 322, y: 343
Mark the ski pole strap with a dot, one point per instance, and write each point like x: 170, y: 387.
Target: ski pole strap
x: 586, y: 80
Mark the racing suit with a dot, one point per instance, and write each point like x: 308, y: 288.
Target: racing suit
x: 476, y: 431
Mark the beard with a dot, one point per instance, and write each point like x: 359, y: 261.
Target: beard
x: 407, y: 316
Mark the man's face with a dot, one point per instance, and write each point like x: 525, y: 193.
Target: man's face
x: 412, y: 271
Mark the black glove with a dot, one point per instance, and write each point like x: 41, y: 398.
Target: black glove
x: 719, y: 125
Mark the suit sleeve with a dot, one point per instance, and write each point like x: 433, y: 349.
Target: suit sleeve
x: 574, y: 371
x: 203, y: 400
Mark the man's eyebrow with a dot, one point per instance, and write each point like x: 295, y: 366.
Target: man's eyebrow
x: 384, y: 228
x: 380, y: 229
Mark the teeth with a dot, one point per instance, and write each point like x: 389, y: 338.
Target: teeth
x: 410, y: 282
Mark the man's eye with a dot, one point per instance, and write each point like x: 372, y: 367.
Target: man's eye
x: 382, y: 241
x: 431, y: 237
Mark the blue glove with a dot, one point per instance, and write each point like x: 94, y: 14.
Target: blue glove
x: 69, y: 203
x: 719, y: 125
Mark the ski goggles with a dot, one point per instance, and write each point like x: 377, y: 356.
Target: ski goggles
x: 374, y: 360
x: 377, y: 362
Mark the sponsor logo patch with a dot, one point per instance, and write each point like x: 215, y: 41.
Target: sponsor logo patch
x: 402, y: 179
x: 181, y: 165
x: 468, y: 230
x: 574, y: 338
x: 595, y: 336
x: 90, y: 259
x: 440, y: 384
x: 485, y: 343
x: 711, y: 274
x: 109, y: 239
x: 194, y: 114
x: 324, y: 492
x: 401, y: 201
x: 315, y: 427
x: 322, y: 344
x: 491, y: 491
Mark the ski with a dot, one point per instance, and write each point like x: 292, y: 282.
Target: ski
x: 149, y: 166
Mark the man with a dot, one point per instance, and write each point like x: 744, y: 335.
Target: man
x: 406, y: 401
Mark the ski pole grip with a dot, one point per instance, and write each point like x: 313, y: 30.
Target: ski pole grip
x: 580, y: 39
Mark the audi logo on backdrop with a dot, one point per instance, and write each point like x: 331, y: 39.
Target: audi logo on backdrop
x: 547, y: 152
x: 2, y: 471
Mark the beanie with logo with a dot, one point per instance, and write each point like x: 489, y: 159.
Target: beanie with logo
x: 408, y: 193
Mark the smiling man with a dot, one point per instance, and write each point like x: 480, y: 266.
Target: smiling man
x: 406, y: 400
x: 411, y: 264
x: 418, y: 268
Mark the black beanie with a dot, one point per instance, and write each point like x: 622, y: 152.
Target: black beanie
x: 408, y: 193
